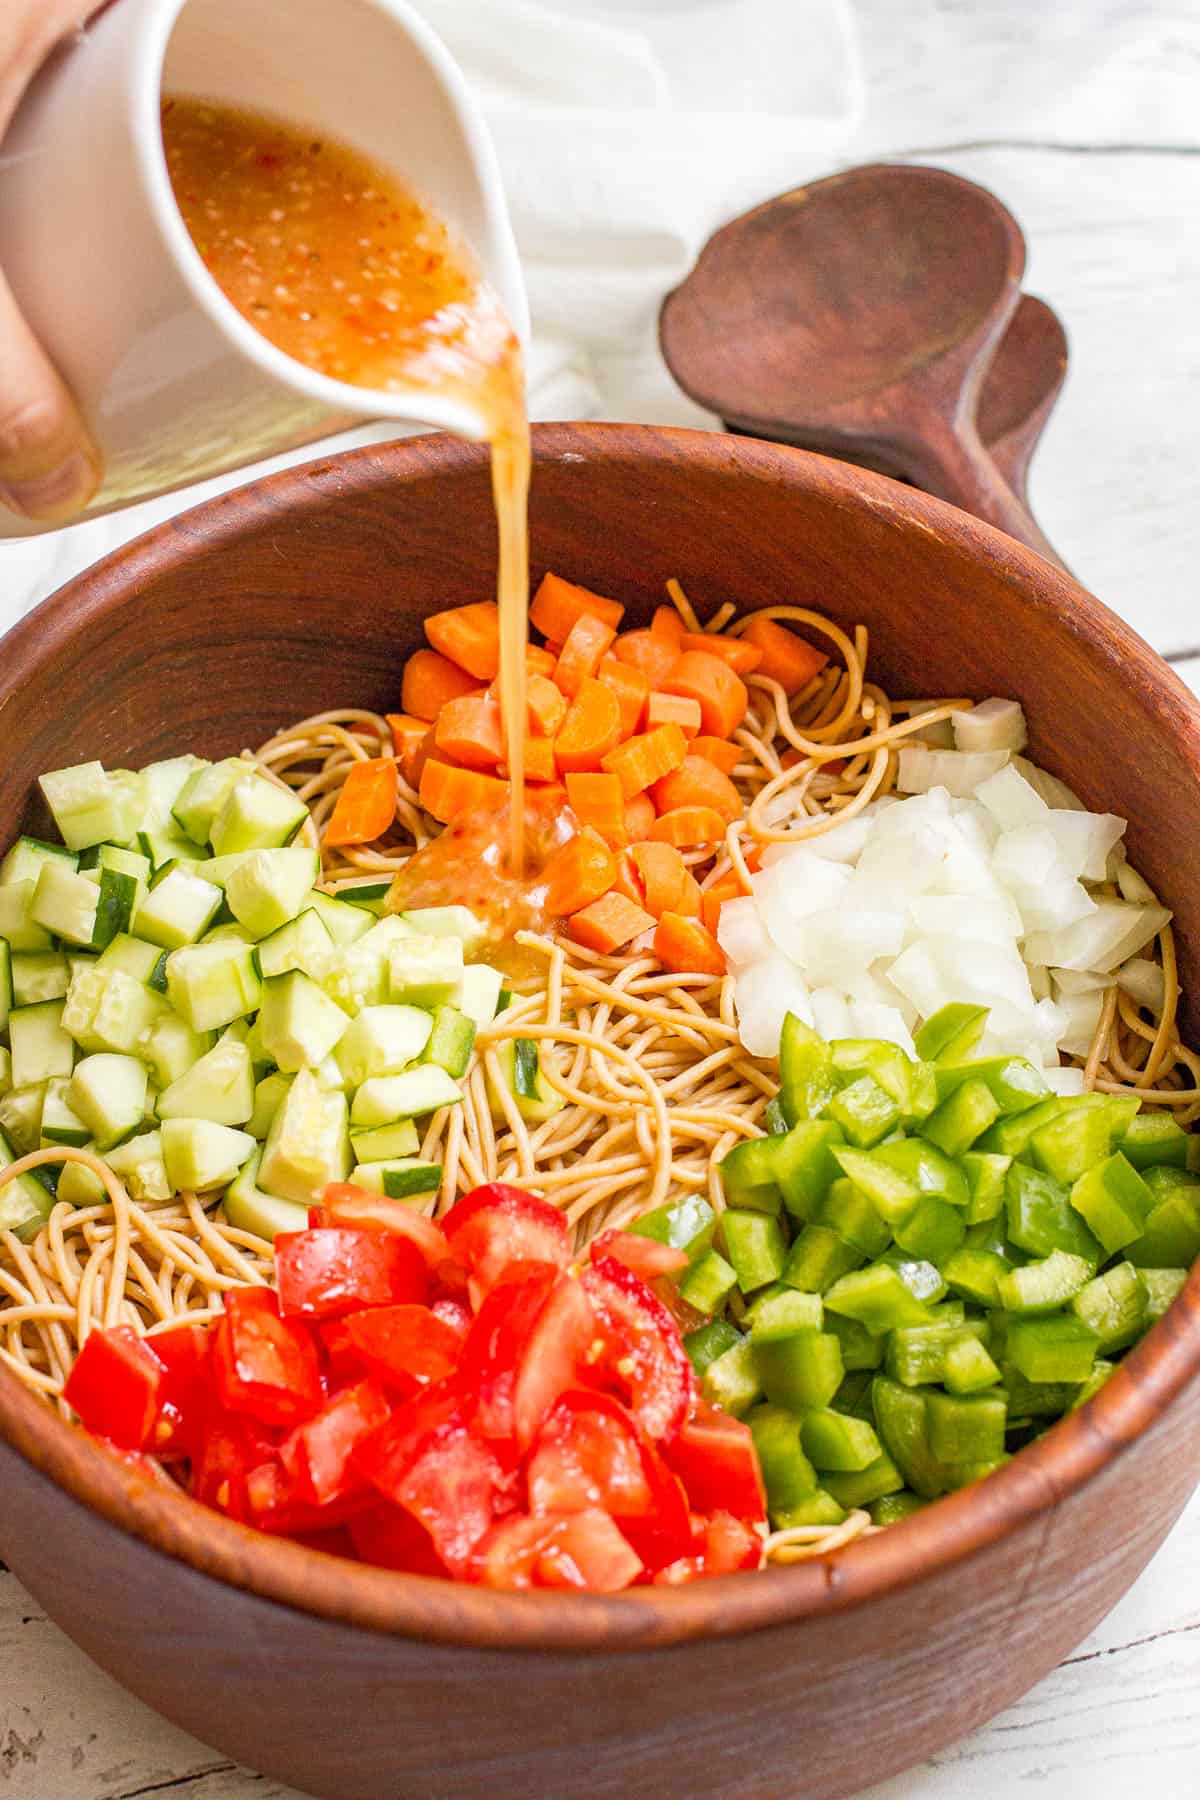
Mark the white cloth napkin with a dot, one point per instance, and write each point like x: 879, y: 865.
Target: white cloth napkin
x: 627, y: 130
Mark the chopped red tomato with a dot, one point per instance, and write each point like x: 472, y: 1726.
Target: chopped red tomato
x: 715, y: 1458
x: 391, y: 1538
x: 453, y: 1313
x: 495, y: 1345
x: 646, y: 1354
x: 497, y: 1225
x: 342, y: 1360
x: 349, y: 1205
x: 583, y: 1550
x: 407, y: 1347
x: 554, y: 1356
x: 325, y: 1445
x: 184, y: 1353
x: 730, y: 1544
x: 230, y: 1447
x: 426, y: 1460
x: 115, y: 1387
x: 644, y: 1255
x: 322, y: 1273
x: 265, y: 1366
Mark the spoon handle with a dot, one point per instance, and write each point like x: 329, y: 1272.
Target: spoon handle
x: 958, y: 468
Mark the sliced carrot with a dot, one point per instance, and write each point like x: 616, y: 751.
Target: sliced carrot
x: 586, y: 643
x: 662, y: 870
x: 547, y: 706
x: 673, y: 709
x: 539, y: 761
x: 690, y: 899
x: 578, y: 872
x: 668, y: 625
x: 640, y: 761
x: 628, y: 880
x: 429, y: 681
x: 449, y: 793
x: 558, y: 603
x: 366, y: 805
x: 698, y: 782
x: 407, y: 733
x: 468, y: 731
x: 688, y: 826
x: 743, y: 658
x: 631, y: 688
x: 790, y: 660
x: 553, y: 651
x: 596, y: 800
x: 469, y: 636
x: 654, y: 656
x: 725, y: 755
x: 722, y: 695
x: 687, y: 947
x: 591, y: 728
x: 608, y: 924
x: 538, y: 660
x: 710, y: 909
x: 639, y: 818
x: 413, y: 766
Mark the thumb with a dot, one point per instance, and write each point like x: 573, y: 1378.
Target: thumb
x: 49, y: 467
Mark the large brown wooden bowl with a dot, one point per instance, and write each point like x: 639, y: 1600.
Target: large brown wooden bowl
x: 305, y: 591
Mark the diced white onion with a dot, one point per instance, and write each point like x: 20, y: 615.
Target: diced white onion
x: 1085, y: 841
x: 1144, y: 982
x: 955, y: 770
x: 989, y: 919
x: 838, y: 943
x: 1135, y: 887
x: 1053, y: 791
x: 741, y: 933
x: 885, y: 1022
x: 763, y: 995
x: 831, y: 1013
x: 1065, y: 1081
x: 1027, y: 863
x: 992, y: 725
x: 1011, y: 799
x: 1081, y: 1014
x: 1077, y: 981
x: 1110, y: 934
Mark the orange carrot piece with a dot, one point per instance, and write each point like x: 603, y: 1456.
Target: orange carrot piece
x: 631, y: 688
x: 591, y: 728
x: 538, y: 660
x: 469, y: 636
x: 586, y: 643
x: 608, y: 924
x: 448, y: 792
x: 407, y: 733
x: 790, y: 660
x: 596, y: 800
x: 628, y: 879
x: 689, y: 826
x: 668, y: 625
x: 641, y: 761
x: 429, y: 681
x: 413, y: 766
x: 547, y: 706
x: 722, y: 695
x: 654, y: 656
x: 639, y: 818
x: 687, y: 947
x: 558, y: 603
x: 725, y: 755
x: 366, y: 805
x: 743, y: 658
x: 690, y: 898
x: 710, y: 909
x: 578, y: 872
x: 468, y: 731
x: 539, y: 761
x: 662, y: 870
x: 698, y: 782
x: 673, y: 709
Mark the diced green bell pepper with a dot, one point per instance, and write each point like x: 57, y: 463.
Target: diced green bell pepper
x: 1060, y: 1348
x: 1041, y: 1218
x: 967, y: 1428
x: 707, y: 1342
x: 1043, y: 1287
x: 819, y: 1509
x: 923, y: 1280
x: 985, y: 1175
x: 962, y: 1116
x: 708, y: 1283
x: 748, y: 1175
x: 1073, y: 1142
x: 732, y: 1379
x: 754, y: 1244
x: 800, y: 1371
x: 1114, y: 1307
x: 968, y: 1365
x: 807, y: 1079
x: 1113, y: 1201
x: 818, y: 1258
x: 976, y: 1275
x: 916, y: 1354
x: 831, y: 1441
x: 1014, y: 1083
x: 1171, y: 1238
x: 892, y: 1508
x: 933, y: 1231
x: 878, y: 1298
x: 865, y: 1111
x: 1163, y: 1287
x: 804, y: 1165
x: 896, y: 1176
x: 774, y: 1122
x: 853, y: 1215
x: 860, y: 1487
x: 950, y: 1034
x: 686, y: 1224
x: 788, y: 1475
x: 1095, y: 1381
x: 854, y: 1396
x: 901, y: 1418
x: 1152, y: 1138
x: 1010, y: 1135
x: 781, y: 1312
x: 861, y: 1349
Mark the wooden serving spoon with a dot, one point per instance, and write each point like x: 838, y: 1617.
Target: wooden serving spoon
x: 858, y: 316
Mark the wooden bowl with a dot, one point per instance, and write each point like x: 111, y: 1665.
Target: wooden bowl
x: 305, y: 591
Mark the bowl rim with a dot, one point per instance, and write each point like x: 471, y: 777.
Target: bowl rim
x: 931, y: 1541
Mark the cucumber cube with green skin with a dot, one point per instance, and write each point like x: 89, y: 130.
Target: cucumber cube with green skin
x: 204, y: 793
x: 708, y: 1283
x: 345, y: 924
x: 479, y: 993
x: 18, y: 928
x: 6, y: 984
x: 40, y: 1047
x: 449, y: 921
x: 162, y: 784
x: 219, y: 1087
x: 269, y: 888
x: 211, y: 985
x: 384, y: 1143
x: 451, y: 1041
x: 1114, y: 1307
x: 299, y: 1023
x: 106, y: 1009
x: 65, y: 903
x: 25, y: 1204
x: 36, y: 975
x: 382, y: 1040
x: 162, y: 848
x: 200, y: 1156
x: 330, y: 1076
x: 59, y: 1124
x: 426, y: 971
x: 80, y: 1186
x: 1045, y: 1286
x: 133, y: 956
x: 522, y: 1083
x: 178, y: 910
x: 89, y: 805
x: 358, y: 975
x: 247, y: 1208
x: 707, y: 1342
x: 256, y: 815
x: 386, y: 1098
x: 1057, y: 1349
x: 308, y: 1145
x: 138, y: 1162
x: 21, y: 1116
x: 303, y: 943
x: 732, y: 1380
x: 1114, y: 1202
x: 1154, y: 1138
x: 23, y: 862
x: 269, y: 1095
x: 962, y: 1117
x: 108, y: 1092
x: 950, y: 1034
x: 400, y: 1178
x: 171, y: 1047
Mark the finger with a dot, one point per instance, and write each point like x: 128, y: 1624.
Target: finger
x: 29, y: 30
x: 49, y: 467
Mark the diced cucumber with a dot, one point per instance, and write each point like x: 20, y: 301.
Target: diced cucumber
x: 18, y: 927
x: 177, y: 910
x: 25, y: 1204
x: 59, y: 1124
x: 24, y: 861
x: 384, y: 1143
x: 426, y: 971
x: 90, y: 806
x: 259, y: 1055
x: 204, y: 793
x: 218, y: 869
x: 330, y: 1076
x: 164, y: 848
x: 269, y: 888
x: 269, y: 1096
x: 358, y: 975
x: 106, y: 1009
x: 5, y: 1070
x: 520, y: 1061
x: 108, y: 1092
x: 134, y: 956
x: 21, y: 1116
x: 120, y: 896
x: 479, y: 994
x: 400, y: 1179
x: 411, y: 1095
x: 382, y: 1040
x: 65, y: 903
x: 171, y: 1048
x: 451, y: 1041
x: 256, y: 815
x: 219, y: 1087
x: 37, y: 975
x: 247, y: 1208
x: 6, y: 983
x: 162, y: 784
x: 452, y: 922
x: 200, y: 1156
x: 210, y: 985
x: 228, y: 931
x: 139, y: 1163
x: 370, y: 895
x: 345, y: 924
x: 303, y: 943
x: 308, y: 1145
x: 80, y: 1186
x: 114, y: 856
x: 299, y: 1023
x: 40, y: 1047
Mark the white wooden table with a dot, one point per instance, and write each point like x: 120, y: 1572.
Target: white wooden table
x: 1084, y: 116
